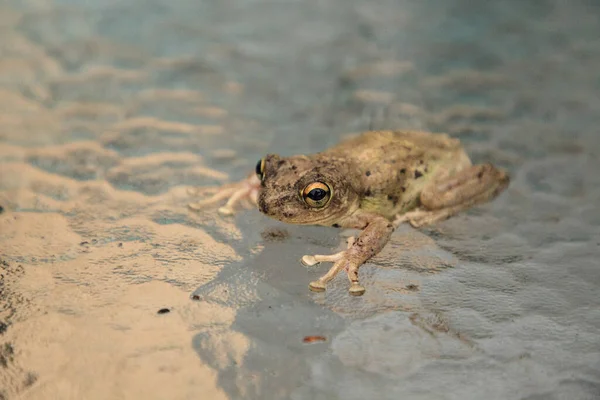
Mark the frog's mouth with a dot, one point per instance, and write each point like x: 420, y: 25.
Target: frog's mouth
x: 301, y: 220
x: 288, y: 208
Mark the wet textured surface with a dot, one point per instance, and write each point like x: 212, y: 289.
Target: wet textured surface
x: 109, y: 110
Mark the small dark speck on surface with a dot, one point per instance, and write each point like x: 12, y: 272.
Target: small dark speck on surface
x: 163, y: 311
x: 195, y: 297
x: 418, y: 174
x: 412, y: 287
x: 275, y: 234
x: 1, y: 209
x: 84, y: 243
x: 30, y: 379
x: 120, y: 245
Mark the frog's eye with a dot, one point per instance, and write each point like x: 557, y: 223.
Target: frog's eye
x: 260, y: 169
x: 316, y: 194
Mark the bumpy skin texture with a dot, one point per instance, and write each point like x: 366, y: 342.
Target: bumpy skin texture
x: 375, y: 181
x: 382, y: 172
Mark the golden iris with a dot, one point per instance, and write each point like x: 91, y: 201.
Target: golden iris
x: 316, y: 194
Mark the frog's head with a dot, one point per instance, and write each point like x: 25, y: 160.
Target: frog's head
x: 306, y: 190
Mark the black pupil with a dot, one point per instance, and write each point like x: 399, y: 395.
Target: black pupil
x: 317, y: 194
x: 258, y: 169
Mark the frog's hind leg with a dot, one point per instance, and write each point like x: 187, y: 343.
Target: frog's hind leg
x: 449, y: 195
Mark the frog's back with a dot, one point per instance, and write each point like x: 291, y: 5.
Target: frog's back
x: 385, y: 143
x: 395, y: 165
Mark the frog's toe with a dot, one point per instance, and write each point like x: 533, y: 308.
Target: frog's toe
x: 226, y: 211
x: 195, y: 206
x: 317, y: 286
x: 309, y: 261
x: 195, y: 191
x: 423, y: 218
x: 416, y: 223
x: 356, y: 289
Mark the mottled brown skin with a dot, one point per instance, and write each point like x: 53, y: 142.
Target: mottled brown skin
x: 382, y: 172
x: 377, y: 180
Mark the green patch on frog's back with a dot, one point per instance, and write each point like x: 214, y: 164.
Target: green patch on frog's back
x: 391, y: 201
x: 388, y: 205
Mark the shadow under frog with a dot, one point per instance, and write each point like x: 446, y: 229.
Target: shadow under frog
x: 274, y: 313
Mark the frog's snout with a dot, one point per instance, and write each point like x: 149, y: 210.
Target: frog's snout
x: 262, y: 204
x: 267, y: 204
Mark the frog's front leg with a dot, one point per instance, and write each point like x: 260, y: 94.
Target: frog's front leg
x: 242, y: 191
x: 372, y: 239
x: 448, y: 195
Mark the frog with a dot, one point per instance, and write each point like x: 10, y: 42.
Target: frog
x: 371, y: 182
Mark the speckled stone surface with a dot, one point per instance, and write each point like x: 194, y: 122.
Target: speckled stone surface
x: 110, y: 110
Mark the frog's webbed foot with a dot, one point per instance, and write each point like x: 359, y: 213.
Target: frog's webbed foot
x: 418, y: 218
x: 244, y: 192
